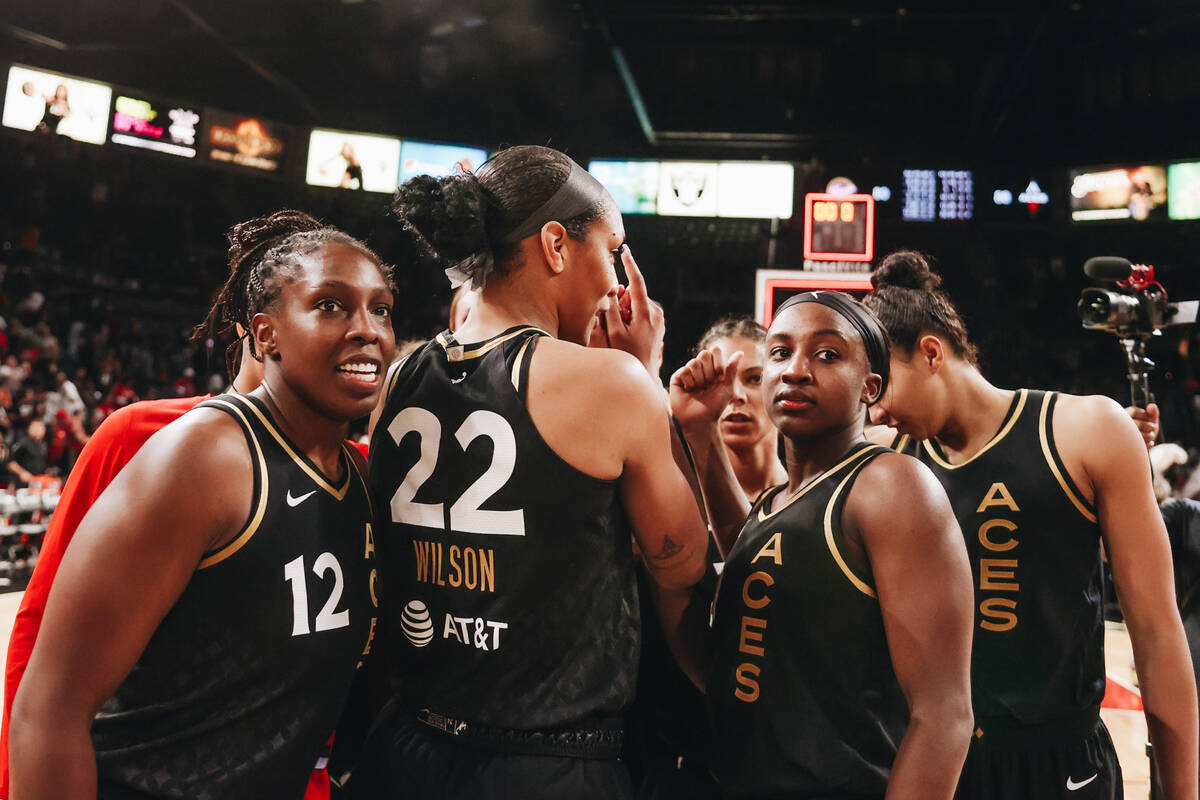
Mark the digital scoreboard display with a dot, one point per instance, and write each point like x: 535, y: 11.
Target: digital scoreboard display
x: 920, y: 195
x: 942, y: 194
x: 956, y: 194
x: 839, y: 227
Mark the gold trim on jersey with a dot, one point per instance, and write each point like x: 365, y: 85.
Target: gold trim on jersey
x: 516, y: 370
x: 362, y: 479
x: 252, y: 526
x: 1080, y: 504
x: 1022, y: 394
x: 858, y: 582
x: 488, y: 345
x: 317, y: 477
x: 901, y: 443
x: 393, y: 376
x: 803, y: 490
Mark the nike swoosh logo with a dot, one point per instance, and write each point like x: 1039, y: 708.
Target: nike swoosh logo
x: 1073, y: 786
x: 295, y: 501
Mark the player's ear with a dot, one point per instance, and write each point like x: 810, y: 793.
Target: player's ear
x: 263, y: 337
x: 932, y: 351
x: 872, y: 388
x: 552, y: 239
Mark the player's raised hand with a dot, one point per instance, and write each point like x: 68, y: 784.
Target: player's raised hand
x: 701, y: 388
x: 1146, y: 420
x: 633, y: 321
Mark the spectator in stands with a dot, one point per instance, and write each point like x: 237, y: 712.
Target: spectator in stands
x: 28, y: 457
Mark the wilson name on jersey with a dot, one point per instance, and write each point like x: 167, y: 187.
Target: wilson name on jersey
x: 510, y: 574
x: 244, y: 679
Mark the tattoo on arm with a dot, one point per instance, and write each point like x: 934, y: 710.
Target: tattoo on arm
x: 669, y: 549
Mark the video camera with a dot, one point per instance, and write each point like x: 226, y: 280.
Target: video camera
x: 1136, y: 310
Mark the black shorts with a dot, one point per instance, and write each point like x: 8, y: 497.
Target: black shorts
x: 1068, y: 761
x: 404, y: 758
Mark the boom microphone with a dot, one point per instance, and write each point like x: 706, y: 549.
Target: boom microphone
x: 1108, y: 268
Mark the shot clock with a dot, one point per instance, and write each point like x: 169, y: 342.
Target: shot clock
x: 839, y: 227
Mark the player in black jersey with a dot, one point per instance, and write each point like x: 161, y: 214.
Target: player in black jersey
x: 837, y: 661
x: 1037, y: 481
x: 209, y: 616
x: 508, y: 455
x: 669, y: 731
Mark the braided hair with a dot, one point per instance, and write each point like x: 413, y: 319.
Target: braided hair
x: 264, y: 254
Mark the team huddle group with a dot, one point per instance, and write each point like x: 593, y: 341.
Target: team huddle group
x: 909, y: 610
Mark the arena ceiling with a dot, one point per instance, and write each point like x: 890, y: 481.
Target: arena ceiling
x: 1062, y: 81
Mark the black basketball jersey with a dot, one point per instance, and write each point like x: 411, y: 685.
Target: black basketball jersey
x: 1034, y: 544
x: 802, y: 697
x: 512, y: 595
x: 240, y: 686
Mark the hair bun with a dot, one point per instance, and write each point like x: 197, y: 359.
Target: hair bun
x: 906, y: 269
x: 446, y: 216
x: 252, y: 234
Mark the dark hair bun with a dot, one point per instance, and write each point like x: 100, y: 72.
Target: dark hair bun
x: 906, y: 269
x: 447, y: 217
x: 252, y: 234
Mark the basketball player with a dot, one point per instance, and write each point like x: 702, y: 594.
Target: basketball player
x: 1037, y: 481
x: 107, y: 452
x: 750, y: 439
x: 170, y: 631
x: 507, y: 456
x: 837, y: 661
x: 669, y: 729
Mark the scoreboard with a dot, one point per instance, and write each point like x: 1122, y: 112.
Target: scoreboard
x: 839, y: 227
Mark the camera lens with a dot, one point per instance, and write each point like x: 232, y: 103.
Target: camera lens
x: 1094, y: 308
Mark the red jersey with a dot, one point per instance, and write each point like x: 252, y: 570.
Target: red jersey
x: 110, y: 448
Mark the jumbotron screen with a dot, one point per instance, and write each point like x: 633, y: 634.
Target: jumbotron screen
x: 47, y: 102
x: 633, y: 184
x: 157, y: 125
x: 1183, y: 190
x: 244, y: 141
x: 755, y: 190
x: 438, y: 160
x: 353, y: 161
x: 1136, y: 193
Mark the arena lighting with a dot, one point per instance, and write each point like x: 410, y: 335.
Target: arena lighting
x: 773, y: 286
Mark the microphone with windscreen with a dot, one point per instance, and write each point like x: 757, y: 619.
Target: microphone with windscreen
x: 1108, y: 268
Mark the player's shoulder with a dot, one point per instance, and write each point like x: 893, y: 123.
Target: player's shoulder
x: 599, y: 371
x: 1081, y: 410
x: 205, y: 440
